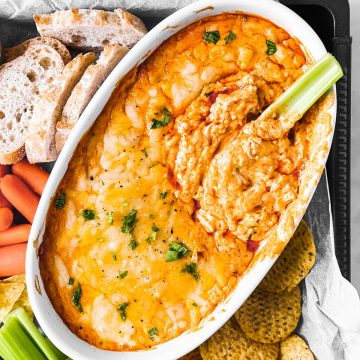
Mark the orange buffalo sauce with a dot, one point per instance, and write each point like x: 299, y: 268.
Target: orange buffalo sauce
x: 166, y: 199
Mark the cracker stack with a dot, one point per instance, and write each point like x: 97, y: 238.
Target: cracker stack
x: 263, y: 327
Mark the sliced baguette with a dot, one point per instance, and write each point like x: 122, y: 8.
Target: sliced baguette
x: 18, y: 50
x: 87, y: 29
x: 85, y: 89
x: 40, y: 142
x: 23, y: 80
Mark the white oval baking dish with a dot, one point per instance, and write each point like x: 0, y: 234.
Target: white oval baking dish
x: 48, y: 319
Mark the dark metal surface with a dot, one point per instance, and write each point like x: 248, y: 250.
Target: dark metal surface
x: 331, y: 21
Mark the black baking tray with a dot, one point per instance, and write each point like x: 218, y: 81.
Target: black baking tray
x: 331, y: 21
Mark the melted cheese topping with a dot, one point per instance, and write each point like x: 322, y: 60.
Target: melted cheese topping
x: 175, y: 144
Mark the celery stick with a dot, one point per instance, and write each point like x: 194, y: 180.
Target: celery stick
x: 15, y: 344
x: 57, y: 352
x: 20, y: 339
x: 305, y: 91
x: 311, y: 85
x: 33, y: 332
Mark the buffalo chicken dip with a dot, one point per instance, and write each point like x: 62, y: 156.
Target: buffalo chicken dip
x: 168, y: 197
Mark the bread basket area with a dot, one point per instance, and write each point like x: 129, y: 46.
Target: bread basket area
x: 162, y: 182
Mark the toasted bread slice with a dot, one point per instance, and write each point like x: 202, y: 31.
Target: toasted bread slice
x: 87, y: 29
x: 14, y: 52
x: 40, y: 142
x: 23, y: 80
x: 85, y: 89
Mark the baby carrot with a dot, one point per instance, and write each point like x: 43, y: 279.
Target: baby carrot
x: 4, y: 202
x: 4, y: 169
x: 20, y: 195
x: 33, y: 175
x: 15, y: 235
x: 6, y: 218
x: 12, y: 259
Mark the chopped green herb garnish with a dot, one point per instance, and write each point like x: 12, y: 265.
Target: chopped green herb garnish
x: 171, y: 255
x: 191, y: 269
x: 76, y: 296
x: 165, y: 111
x: 60, y: 201
x: 152, y: 332
x: 152, y: 216
x: 113, y: 255
x: 110, y: 217
x: 180, y: 248
x: 145, y: 152
x: 166, y: 117
x: 122, y: 310
x: 176, y: 251
x: 211, y: 36
x: 129, y: 222
x: 71, y: 281
x: 194, y: 304
x: 122, y: 274
x: 133, y: 244
x: 88, y: 214
x: 153, y: 235
x: 229, y: 37
x: 163, y: 195
x: 156, y: 124
x: 271, y: 47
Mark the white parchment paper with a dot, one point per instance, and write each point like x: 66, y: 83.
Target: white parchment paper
x: 25, y: 9
x: 331, y: 306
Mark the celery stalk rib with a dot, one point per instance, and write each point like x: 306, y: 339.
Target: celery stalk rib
x: 20, y: 339
x: 59, y: 355
x: 301, y: 95
x: 15, y: 344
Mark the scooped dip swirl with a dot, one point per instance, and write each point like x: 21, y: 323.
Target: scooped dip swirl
x: 170, y: 194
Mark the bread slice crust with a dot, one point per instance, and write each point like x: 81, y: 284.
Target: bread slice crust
x: 85, y: 89
x: 40, y: 142
x: 16, y: 51
x: 23, y: 80
x: 88, y: 29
